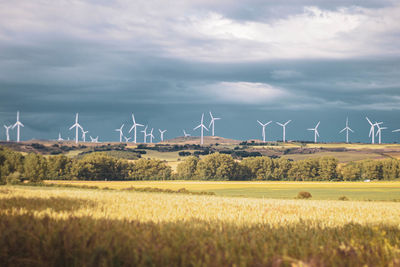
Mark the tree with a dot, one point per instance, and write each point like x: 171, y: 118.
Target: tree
x: 149, y: 169
x: 99, y: 166
x: 187, y: 168
x: 59, y: 167
x: 304, y: 170
x: 35, y: 167
x: 282, y: 167
x: 261, y: 168
x: 372, y: 169
x: 327, y: 168
x: 217, y: 167
x: 351, y: 171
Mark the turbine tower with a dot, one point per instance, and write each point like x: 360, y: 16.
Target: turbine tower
x: 263, y: 128
x: 84, y: 135
x: 134, y: 127
x: 315, y: 129
x: 145, y: 134
x: 379, y: 132
x: 76, y: 126
x: 8, y: 132
x: 120, y: 133
x: 284, y: 129
x: 185, y: 134
x: 18, y: 124
x: 59, y: 137
x: 212, y: 122
x: 371, y: 131
x: 151, y: 135
x: 162, y: 134
x: 201, y: 125
x: 347, y: 129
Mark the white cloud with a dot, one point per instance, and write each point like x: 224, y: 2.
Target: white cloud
x: 243, y: 92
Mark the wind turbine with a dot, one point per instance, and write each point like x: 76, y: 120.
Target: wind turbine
x: 8, y: 132
x: 347, y: 129
x: 315, y: 131
x: 151, y: 135
x: 185, y: 134
x: 84, y: 135
x: 76, y: 126
x: 212, y: 122
x: 145, y: 134
x: 120, y: 133
x: 162, y: 134
x: 284, y: 129
x: 94, y: 140
x: 379, y: 132
x: 18, y: 124
x: 134, y: 126
x: 201, y: 125
x: 59, y: 137
x: 127, y: 139
x: 371, y: 131
x: 263, y: 128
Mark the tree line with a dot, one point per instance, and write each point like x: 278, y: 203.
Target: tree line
x: 14, y: 167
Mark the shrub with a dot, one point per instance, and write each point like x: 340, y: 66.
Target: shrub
x: 344, y: 198
x: 304, y: 195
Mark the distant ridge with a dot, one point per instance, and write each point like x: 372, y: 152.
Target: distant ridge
x: 208, y: 140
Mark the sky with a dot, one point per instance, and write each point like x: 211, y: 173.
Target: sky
x: 170, y: 61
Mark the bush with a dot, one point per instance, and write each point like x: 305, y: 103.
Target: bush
x: 304, y: 195
x: 344, y: 198
x: 14, y: 178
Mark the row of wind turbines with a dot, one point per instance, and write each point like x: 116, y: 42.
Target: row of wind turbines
x: 372, y: 133
x: 134, y: 128
x: 201, y: 126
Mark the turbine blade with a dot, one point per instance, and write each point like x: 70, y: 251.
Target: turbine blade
x: 280, y: 124
x: 342, y: 130
x: 369, y: 121
x: 288, y: 122
x: 197, y: 127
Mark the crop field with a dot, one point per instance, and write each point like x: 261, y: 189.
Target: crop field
x: 343, y: 157
x: 52, y: 226
x: 385, y: 191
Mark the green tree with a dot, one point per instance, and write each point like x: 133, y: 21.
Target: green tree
x: 352, y: 171
x: 187, y: 168
x: 282, y: 167
x: 59, y: 167
x: 328, y: 168
x: 35, y: 167
x: 372, y: 169
x: 261, y: 168
x: 218, y: 167
x: 304, y: 170
x: 99, y: 166
x: 149, y: 169
x: 390, y: 169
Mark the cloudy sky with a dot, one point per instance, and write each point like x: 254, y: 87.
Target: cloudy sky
x: 170, y: 61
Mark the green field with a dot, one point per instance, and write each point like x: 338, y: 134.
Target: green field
x: 384, y: 191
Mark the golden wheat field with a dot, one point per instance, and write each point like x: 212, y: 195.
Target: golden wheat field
x: 47, y: 226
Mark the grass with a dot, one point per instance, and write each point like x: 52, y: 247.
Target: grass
x: 383, y: 191
x: 78, y: 227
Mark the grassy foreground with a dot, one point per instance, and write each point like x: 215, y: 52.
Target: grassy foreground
x: 386, y: 191
x: 78, y: 227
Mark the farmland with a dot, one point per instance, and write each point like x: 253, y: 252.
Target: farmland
x: 383, y: 191
x: 49, y: 226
